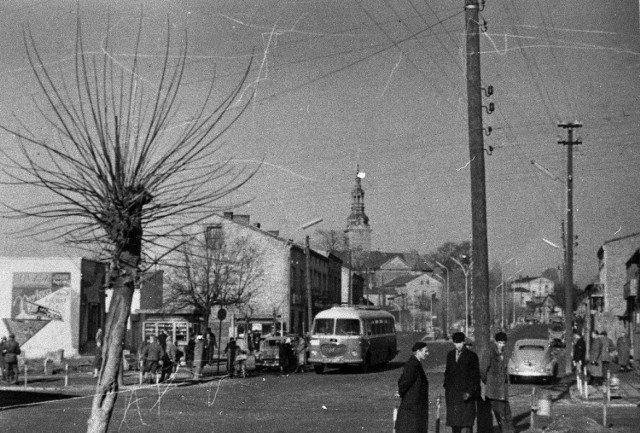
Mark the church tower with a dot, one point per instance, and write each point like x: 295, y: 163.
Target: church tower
x: 358, y: 229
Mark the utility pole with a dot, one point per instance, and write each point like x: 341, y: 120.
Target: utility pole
x: 568, y: 274
x: 480, y: 254
x: 307, y: 268
x: 480, y: 269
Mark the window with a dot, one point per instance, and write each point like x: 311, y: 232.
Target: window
x: 214, y: 236
x: 347, y: 327
x: 323, y: 326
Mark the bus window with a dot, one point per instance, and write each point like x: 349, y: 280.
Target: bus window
x: 323, y: 326
x: 347, y: 327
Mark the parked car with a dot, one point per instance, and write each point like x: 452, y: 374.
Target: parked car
x: 269, y: 354
x: 533, y: 358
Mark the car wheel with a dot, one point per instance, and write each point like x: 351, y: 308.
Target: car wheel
x: 319, y: 368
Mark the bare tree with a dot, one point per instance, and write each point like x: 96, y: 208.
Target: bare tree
x: 332, y: 240
x: 207, y: 274
x: 123, y: 167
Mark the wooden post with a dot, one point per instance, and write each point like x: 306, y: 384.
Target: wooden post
x: 534, y: 408
x: 66, y: 374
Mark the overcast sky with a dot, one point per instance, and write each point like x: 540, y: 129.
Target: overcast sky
x: 380, y: 83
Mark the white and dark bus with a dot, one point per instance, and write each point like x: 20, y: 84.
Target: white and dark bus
x: 361, y: 336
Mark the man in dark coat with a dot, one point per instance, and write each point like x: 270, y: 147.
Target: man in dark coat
x: 462, y: 385
x: 496, y: 379
x: 10, y: 351
x: 579, y: 350
x: 413, y: 387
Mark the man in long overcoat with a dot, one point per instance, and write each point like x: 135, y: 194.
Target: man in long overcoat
x: 413, y: 387
x: 595, y: 359
x: 462, y: 385
x: 496, y: 379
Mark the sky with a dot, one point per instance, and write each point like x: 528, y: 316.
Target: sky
x: 380, y: 84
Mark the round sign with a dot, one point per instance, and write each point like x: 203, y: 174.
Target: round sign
x: 222, y: 314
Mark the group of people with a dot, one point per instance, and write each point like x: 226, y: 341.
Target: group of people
x: 9, y: 351
x: 603, y: 355
x: 466, y: 379
x: 159, y: 358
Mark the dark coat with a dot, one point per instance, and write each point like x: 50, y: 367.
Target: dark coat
x: 413, y: 387
x: 579, y: 351
x: 11, y: 350
x: 494, y: 375
x: 461, y: 377
x: 623, y: 351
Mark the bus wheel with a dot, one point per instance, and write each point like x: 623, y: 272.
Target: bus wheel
x: 319, y: 368
x: 364, y: 367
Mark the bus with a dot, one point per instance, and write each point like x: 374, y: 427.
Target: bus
x: 359, y: 336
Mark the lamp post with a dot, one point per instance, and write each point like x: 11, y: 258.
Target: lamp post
x: 443, y: 322
x: 446, y: 318
x: 307, y: 266
x: 466, y: 294
x: 503, y: 283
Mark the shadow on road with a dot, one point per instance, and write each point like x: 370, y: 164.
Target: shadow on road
x: 15, y: 399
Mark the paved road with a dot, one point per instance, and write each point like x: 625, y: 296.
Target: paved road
x: 334, y: 402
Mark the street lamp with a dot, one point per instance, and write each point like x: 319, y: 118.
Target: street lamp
x: 444, y: 324
x: 503, y: 283
x: 446, y: 321
x: 466, y: 294
x: 307, y: 254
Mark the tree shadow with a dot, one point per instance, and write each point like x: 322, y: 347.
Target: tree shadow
x: 16, y: 399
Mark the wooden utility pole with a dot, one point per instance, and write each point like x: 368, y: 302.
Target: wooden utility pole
x: 480, y: 259
x: 480, y: 269
x: 568, y: 272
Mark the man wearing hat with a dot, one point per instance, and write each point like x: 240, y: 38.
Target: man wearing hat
x: 462, y: 385
x: 496, y: 380
x: 10, y: 351
x: 413, y: 387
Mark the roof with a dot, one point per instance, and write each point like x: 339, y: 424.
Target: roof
x: 401, y: 281
x: 375, y: 259
x: 352, y: 313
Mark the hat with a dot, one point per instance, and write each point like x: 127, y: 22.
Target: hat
x: 458, y: 337
x: 501, y: 336
x: 418, y: 345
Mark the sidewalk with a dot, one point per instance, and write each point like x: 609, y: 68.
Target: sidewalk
x: 83, y: 382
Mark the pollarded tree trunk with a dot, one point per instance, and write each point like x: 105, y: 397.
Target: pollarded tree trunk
x: 115, y: 330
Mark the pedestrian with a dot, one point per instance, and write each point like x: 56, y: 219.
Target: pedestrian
x: 624, y: 352
x: 3, y: 368
x: 301, y: 354
x: 190, y: 352
x: 462, y: 385
x: 608, y: 349
x: 413, y: 388
x: 595, y: 359
x: 10, y: 352
x: 230, y: 350
x: 169, y: 360
x: 152, y: 358
x: 97, y: 359
x: 284, y: 355
x: 210, y: 345
x: 579, y: 351
x: 495, y: 378
x: 162, y: 340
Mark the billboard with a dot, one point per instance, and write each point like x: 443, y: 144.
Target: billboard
x: 39, y: 295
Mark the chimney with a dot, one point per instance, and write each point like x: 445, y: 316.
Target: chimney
x: 256, y: 225
x: 228, y: 215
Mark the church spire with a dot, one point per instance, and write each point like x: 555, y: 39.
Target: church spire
x: 358, y: 229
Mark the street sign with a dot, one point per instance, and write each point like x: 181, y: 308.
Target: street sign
x: 222, y: 314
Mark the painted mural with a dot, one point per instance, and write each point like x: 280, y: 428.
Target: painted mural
x: 39, y: 295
